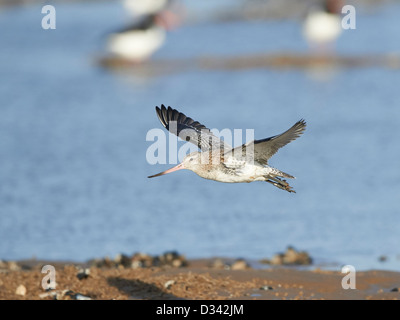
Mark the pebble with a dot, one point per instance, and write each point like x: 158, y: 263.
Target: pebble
x: 240, y: 264
x: 48, y: 294
x: 21, y: 290
x: 142, y: 260
x: 168, y: 284
x: 123, y: 260
x: 79, y: 296
x: 83, y: 273
x: 266, y: 288
x: 103, y: 263
x: 217, y: 264
x: 72, y: 295
x: 9, y: 265
x: 64, y: 295
x: 395, y: 290
x: 176, y: 263
x: 290, y: 257
x: 171, y: 258
x: 12, y: 265
x: 61, y: 295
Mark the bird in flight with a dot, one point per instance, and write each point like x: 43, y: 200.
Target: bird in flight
x: 221, y: 162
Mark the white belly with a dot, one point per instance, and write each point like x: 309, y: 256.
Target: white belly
x: 248, y: 173
x: 322, y: 27
x: 137, y: 45
x: 143, y: 7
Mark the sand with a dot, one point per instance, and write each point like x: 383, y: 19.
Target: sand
x: 196, y: 279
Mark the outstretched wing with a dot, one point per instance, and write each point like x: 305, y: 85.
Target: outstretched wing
x: 261, y: 150
x: 189, y: 130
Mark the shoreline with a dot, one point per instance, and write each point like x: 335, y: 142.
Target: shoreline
x: 194, y: 279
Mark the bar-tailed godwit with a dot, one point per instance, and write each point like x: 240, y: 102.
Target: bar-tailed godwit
x: 219, y: 161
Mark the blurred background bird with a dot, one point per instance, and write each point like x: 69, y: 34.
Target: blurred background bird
x: 322, y: 26
x: 151, y: 20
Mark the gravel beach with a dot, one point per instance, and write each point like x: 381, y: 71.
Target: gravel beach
x: 206, y: 279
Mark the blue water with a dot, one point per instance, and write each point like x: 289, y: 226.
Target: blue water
x: 73, y: 169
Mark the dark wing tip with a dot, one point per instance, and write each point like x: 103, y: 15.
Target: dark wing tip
x: 158, y: 109
x: 160, y: 112
x: 300, y: 126
x: 165, y: 115
x: 302, y: 122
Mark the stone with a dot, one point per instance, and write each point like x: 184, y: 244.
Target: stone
x: 79, y: 296
x: 290, y: 257
x: 266, y: 288
x: 168, y: 284
x: 277, y: 259
x: 217, y: 263
x: 21, y: 290
x: 240, y: 264
x: 13, y: 266
x: 83, y: 273
x: 123, y: 260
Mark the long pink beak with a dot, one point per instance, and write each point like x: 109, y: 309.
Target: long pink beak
x: 176, y: 168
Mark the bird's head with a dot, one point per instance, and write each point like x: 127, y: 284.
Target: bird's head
x: 190, y: 162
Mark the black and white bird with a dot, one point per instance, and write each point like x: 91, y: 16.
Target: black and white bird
x: 322, y: 25
x: 138, y: 41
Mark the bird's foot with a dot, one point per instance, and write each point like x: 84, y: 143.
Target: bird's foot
x: 281, y: 184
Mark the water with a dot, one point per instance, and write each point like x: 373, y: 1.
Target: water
x: 73, y: 174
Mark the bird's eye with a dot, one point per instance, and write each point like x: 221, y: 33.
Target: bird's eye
x: 191, y: 159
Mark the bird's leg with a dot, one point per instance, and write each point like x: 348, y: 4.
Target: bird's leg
x: 281, y: 184
x: 275, y: 184
x: 280, y: 181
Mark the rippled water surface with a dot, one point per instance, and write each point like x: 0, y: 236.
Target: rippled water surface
x: 73, y: 169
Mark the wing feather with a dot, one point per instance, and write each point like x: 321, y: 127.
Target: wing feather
x: 189, y: 130
x: 262, y: 150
